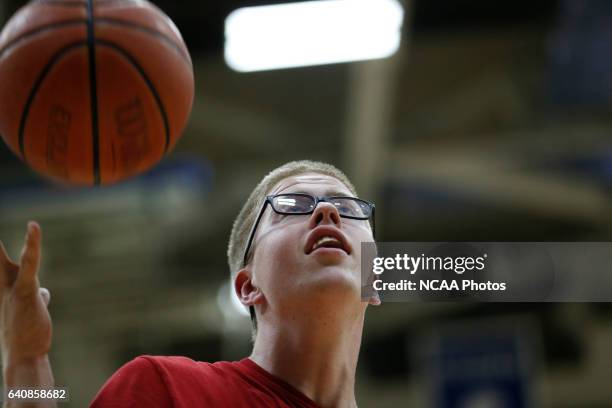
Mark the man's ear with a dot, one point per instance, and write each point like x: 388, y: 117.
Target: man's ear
x: 245, y: 289
x: 374, y: 299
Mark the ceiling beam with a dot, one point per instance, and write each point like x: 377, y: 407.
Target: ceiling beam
x: 503, y: 183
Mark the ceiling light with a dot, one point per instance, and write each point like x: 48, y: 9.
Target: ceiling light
x: 311, y: 33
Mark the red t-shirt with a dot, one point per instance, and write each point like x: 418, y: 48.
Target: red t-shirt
x: 179, y: 382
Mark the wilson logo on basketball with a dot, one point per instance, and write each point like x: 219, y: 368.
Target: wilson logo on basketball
x: 132, y: 142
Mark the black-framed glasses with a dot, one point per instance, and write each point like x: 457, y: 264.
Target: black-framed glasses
x: 302, y: 204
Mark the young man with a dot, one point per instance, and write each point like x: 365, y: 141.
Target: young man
x: 294, y: 255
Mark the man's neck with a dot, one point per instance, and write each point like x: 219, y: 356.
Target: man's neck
x: 317, y: 355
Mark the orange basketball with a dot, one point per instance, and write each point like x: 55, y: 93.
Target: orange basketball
x: 93, y: 91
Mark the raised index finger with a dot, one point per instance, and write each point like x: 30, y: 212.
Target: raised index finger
x: 30, y: 258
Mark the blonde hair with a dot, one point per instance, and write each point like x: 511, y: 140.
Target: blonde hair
x: 246, y: 218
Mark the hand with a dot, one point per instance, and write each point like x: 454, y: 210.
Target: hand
x: 25, y: 324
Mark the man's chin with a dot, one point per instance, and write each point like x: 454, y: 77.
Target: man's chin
x: 331, y: 280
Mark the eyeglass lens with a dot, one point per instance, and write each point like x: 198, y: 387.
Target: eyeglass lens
x: 303, y: 204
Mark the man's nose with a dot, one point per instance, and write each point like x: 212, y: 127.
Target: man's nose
x: 325, y: 213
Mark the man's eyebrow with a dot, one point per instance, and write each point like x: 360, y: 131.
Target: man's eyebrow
x: 338, y: 193
x: 328, y: 193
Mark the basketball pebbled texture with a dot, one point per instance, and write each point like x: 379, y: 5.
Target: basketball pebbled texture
x: 93, y: 91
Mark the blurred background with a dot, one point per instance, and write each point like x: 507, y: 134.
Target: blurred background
x: 492, y: 122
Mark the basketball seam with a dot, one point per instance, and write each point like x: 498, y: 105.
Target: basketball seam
x: 43, y: 73
x: 104, y: 20
x: 146, y: 30
x: 69, y: 3
x: 64, y: 3
x: 38, y: 30
x: 93, y: 87
x: 149, y: 83
x: 119, y: 22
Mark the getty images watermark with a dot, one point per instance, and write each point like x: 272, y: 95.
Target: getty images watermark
x: 487, y: 271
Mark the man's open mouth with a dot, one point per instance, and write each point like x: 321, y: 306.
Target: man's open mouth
x: 326, y: 237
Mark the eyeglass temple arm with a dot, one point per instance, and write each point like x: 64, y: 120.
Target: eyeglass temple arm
x: 373, y: 222
x: 252, y: 235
